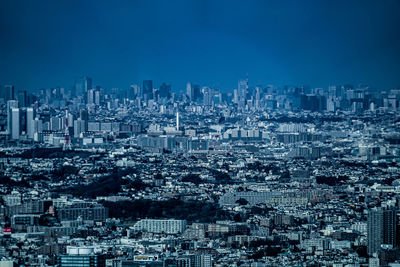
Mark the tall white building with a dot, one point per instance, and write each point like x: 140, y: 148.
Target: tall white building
x: 15, y: 123
x: 10, y: 104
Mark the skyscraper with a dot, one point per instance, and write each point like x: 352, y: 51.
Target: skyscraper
x: 38, y: 128
x: 90, y: 96
x: 196, y: 92
x: 190, y: 91
x: 165, y: 90
x: 10, y: 91
x: 30, y: 122
x: 15, y: 123
x: 10, y: 105
x: 381, y: 229
x: 134, y: 91
x: 243, y: 86
x: 208, y: 95
x: 82, y: 85
x: 84, y: 116
x: 147, y: 89
x: 22, y: 98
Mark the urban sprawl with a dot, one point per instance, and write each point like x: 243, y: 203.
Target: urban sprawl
x: 150, y: 176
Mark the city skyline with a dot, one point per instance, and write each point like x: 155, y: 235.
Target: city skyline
x: 182, y: 88
x: 212, y: 43
x: 200, y: 133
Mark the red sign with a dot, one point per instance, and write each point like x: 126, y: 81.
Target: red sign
x: 7, y: 230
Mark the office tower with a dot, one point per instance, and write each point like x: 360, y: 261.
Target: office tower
x: 10, y: 105
x: 90, y: 96
x: 309, y: 102
x: 243, y: 86
x: 131, y: 93
x: 381, y: 229
x: 165, y: 90
x: 235, y: 96
x: 84, y: 115
x: 93, y: 96
x: 79, y: 127
x: 208, y: 95
x: 190, y: 91
x: 15, y: 123
x: 197, y: 92
x: 55, y: 124
x: 10, y: 92
x: 134, y: 91
x: 97, y: 97
x: 258, y: 97
x: 38, y: 128
x: 22, y: 99
x: 82, y: 85
x: 147, y: 89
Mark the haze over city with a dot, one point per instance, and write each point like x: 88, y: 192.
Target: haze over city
x: 214, y: 43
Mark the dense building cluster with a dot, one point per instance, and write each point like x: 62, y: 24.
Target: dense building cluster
x: 146, y: 176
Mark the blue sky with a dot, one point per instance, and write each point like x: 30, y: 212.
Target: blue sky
x: 211, y: 42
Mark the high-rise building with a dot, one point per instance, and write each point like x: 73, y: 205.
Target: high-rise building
x: 134, y: 91
x: 310, y: 102
x: 190, y: 91
x: 243, y: 86
x: 147, y: 89
x: 97, y: 97
x: 84, y: 115
x: 165, y: 90
x: 10, y: 105
x: 22, y: 98
x: 90, y: 96
x: 15, y: 123
x: 82, y: 85
x: 79, y: 127
x: 38, y: 128
x: 207, y: 98
x: 197, y: 92
x: 30, y: 122
x: 193, y: 91
x: 381, y: 229
x: 10, y: 92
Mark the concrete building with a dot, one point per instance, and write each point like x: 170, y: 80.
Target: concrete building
x: 161, y: 226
